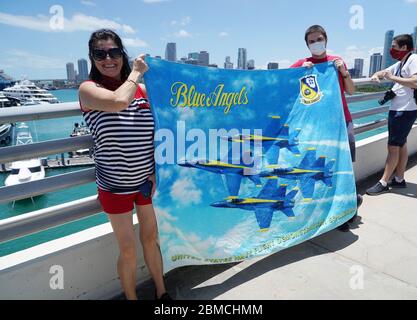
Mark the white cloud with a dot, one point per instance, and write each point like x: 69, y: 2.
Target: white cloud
x: 88, y: 3
x: 329, y: 143
x: 185, y: 192
x: 182, y: 34
x: 184, y: 21
x: 223, y: 34
x: 135, y: 43
x: 78, y: 22
x: 411, y: 1
x: 19, y: 58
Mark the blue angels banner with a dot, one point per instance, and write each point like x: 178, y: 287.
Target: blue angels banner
x: 248, y: 162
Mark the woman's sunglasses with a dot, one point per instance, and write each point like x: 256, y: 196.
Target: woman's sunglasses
x: 100, y: 54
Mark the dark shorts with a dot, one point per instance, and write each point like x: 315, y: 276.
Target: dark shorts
x: 113, y: 203
x: 399, y: 126
x: 352, y: 142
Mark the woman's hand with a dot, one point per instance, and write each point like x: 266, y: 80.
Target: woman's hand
x: 140, y: 65
x: 308, y: 64
x: 153, y: 179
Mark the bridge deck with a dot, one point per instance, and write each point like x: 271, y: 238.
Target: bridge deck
x: 381, y: 246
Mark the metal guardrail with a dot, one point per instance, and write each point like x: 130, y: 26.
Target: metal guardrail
x: 40, y: 220
x: 43, y: 219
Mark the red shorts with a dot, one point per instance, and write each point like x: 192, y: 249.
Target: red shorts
x: 121, y: 203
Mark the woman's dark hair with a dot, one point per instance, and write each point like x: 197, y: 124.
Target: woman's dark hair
x: 315, y: 28
x: 105, y: 34
x: 404, y: 40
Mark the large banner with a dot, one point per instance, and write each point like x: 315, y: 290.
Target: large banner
x: 248, y: 162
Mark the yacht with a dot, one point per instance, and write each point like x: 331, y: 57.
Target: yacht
x: 25, y: 170
x: 4, y: 102
x: 6, y: 134
x: 27, y: 91
x: 80, y: 130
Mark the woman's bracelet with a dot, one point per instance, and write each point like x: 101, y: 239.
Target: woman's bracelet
x: 136, y: 84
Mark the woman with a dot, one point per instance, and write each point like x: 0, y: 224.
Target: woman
x: 117, y: 112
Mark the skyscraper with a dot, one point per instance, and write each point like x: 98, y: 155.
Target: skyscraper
x: 358, y: 68
x: 228, y: 64
x: 193, y: 55
x: 70, y: 71
x: 242, y: 59
x: 203, y: 58
x: 375, y: 64
x: 251, y: 64
x: 82, y: 70
x: 386, y: 58
x: 415, y: 39
x: 273, y: 65
x: 171, y: 51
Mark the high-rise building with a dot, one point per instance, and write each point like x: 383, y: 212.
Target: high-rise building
x: 273, y: 65
x: 415, y: 39
x: 386, y: 58
x: 250, y: 64
x: 70, y: 71
x: 358, y: 68
x: 82, y: 70
x: 242, y: 59
x: 171, y: 51
x: 375, y: 63
x: 193, y: 55
x: 228, y: 64
x: 203, y: 58
x: 191, y: 61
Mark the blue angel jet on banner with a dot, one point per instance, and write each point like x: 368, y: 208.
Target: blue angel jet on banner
x: 308, y: 172
x: 233, y: 172
x: 270, y: 199
x: 275, y: 135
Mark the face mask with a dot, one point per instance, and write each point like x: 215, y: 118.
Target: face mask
x: 318, y: 48
x: 398, y: 54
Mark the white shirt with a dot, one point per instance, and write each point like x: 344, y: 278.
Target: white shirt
x: 404, y: 101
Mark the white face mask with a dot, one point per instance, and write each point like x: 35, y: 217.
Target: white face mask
x: 318, y: 48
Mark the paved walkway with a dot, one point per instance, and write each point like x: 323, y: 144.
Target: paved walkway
x: 381, y: 249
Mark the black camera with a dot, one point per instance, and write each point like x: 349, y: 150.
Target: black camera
x: 389, y: 95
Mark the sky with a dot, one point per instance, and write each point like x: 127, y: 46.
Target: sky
x: 37, y: 46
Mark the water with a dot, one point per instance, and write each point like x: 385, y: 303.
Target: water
x: 61, y: 128
x: 41, y: 131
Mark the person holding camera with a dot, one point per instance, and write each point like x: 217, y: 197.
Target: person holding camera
x: 117, y: 112
x: 402, y: 112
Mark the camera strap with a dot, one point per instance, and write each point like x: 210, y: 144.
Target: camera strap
x: 401, y: 66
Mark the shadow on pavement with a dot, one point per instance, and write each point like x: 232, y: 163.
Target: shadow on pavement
x: 182, y: 282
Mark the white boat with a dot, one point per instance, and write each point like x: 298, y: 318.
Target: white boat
x: 6, y: 134
x: 80, y: 130
x: 27, y: 91
x: 24, y: 170
x: 4, y: 102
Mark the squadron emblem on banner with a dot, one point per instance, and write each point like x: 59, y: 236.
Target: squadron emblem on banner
x: 310, y: 91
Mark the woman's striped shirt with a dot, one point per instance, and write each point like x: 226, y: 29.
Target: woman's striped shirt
x: 123, y: 145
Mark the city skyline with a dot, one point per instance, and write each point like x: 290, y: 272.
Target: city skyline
x: 36, y: 52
